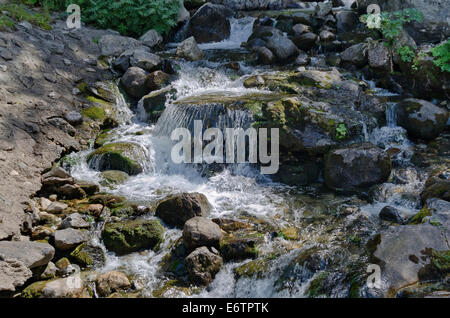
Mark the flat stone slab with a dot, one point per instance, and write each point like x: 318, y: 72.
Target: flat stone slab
x: 31, y: 254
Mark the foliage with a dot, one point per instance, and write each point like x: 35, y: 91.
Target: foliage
x: 16, y: 11
x: 129, y: 17
x: 407, y: 54
x: 441, y: 54
x: 391, y: 23
x: 341, y: 131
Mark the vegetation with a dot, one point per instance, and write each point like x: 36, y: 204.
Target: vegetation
x: 129, y: 17
x: 341, y: 131
x: 441, y: 54
x: 17, y: 11
x: 407, y: 54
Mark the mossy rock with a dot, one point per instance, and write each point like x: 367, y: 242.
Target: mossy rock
x: 130, y: 236
x: 418, y: 218
x: 122, y: 156
x: 34, y: 290
x: 113, y: 177
x: 256, y: 268
x: 95, y: 113
x: 126, y: 209
x: 62, y: 263
x: 317, y: 286
x: 109, y: 200
x: 102, y: 138
x: 240, y: 245
x: 438, y: 268
x: 87, y: 255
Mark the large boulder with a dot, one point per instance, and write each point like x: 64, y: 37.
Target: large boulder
x: 189, y: 50
x: 421, y: 119
x: 200, y: 231
x: 305, y: 41
x: 203, y: 264
x: 114, y: 45
x: 130, y: 236
x: 175, y: 210
x: 122, y: 156
x: 31, y: 254
x: 13, y: 274
x: 347, y: 21
x: 134, y: 82
x: 68, y: 239
x: 356, y: 167
x: 355, y: 54
x: 210, y: 23
x: 379, y: 57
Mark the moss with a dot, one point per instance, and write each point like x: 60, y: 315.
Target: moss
x: 289, y: 233
x: 253, y: 268
x: 354, y: 291
x: 34, y: 290
x: 6, y: 23
x: 441, y: 259
x: 94, y: 113
x: 62, y: 263
x: 130, y: 236
x: 123, y: 210
x: 19, y: 12
x: 418, y: 218
x: 113, y: 177
x: 316, y: 287
x: 81, y: 257
x: 171, y: 284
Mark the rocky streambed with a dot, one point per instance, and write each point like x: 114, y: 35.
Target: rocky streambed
x: 363, y: 178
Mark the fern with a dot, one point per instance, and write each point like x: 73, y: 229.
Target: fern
x: 441, y: 54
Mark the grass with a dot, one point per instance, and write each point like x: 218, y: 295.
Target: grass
x: 15, y: 11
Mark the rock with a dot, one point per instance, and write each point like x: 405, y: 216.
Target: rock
x: 76, y: 221
x: 421, y: 119
x: 183, y: 14
x: 323, y: 8
x: 111, y: 282
x: 70, y: 287
x: 13, y: 274
x: 305, y: 41
x: 265, y: 55
x: 346, y: 21
x: 189, y: 50
x: 317, y: 78
x: 210, y: 23
x: 90, y: 188
x: 151, y: 39
x: 240, y: 245
x: 88, y: 255
x: 282, y: 47
x: 297, y: 174
x: 154, y: 103
x: 440, y: 210
x: 70, y: 191
x: 379, y: 57
x: 400, y: 250
x: 56, y: 207
x: 200, y: 231
x: 57, y: 172
x: 203, y: 264
x: 157, y: 80
x: 31, y: 254
x: 113, y: 177
x: 436, y: 187
x: 122, y: 156
x: 355, y: 54
x: 356, y: 167
x: 130, y: 236
x: 391, y: 214
x: 299, y: 29
x: 74, y: 118
x: 114, y: 45
x: 145, y: 60
x: 175, y: 210
x: 327, y: 36
x: 302, y: 17
x: 134, y: 82
x: 50, y: 271
x: 69, y: 238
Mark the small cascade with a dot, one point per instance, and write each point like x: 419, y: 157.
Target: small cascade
x: 391, y: 115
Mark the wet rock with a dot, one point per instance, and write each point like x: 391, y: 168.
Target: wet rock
x: 421, y: 119
x: 114, y: 45
x: 134, y: 82
x: 145, y: 60
x: 391, y: 214
x: 151, y: 38
x: 75, y: 220
x: 13, y: 274
x: 440, y: 210
x: 88, y: 255
x: 356, y: 166
x: 126, y: 157
x: 70, y: 191
x: 113, y: 177
x: 265, y: 55
x: 305, y: 41
x: 355, y: 54
x: 90, y: 188
x: 240, y: 245
x: 283, y: 49
x: 436, y: 187
x: 69, y: 238
x: 210, y: 23
x: 323, y: 8
x: 438, y: 267
x: 31, y: 254
x: 299, y: 29
x: 154, y: 103
x: 177, y: 209
x: 317, y: 78
x: 327, y: 36
x: 157, y: 80
x: 200, y: 231
x: 347, y: 21
x: 130, y: 236
x: 203, y: 264
x: 111, y: 282
x: 189, y: 50
x: 304, y: 18
x: 299, y: 173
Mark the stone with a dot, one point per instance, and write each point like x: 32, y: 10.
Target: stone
x: 156, y: 80
x: 283, y: 48
x: 50, y: 271
x: 114, y: 45
x: 113, y: 177
x: 56, y: 207
x: 111, y: 282
x: 88, y: 255
x: 265, y: 55
x: 203, y: 264
x: 355, y: 54
x: 74, y: 118
x: 200, y: 231
x: 305, y: 41
x: 189, y: 50
x: 70, y: 191
x: 323, y: 8
x: 391, y: 214
x: 176, y: 209
x: 74, y: 220
x: 421, y: 119
x: 299, y: 29
x: 356, y: 167
x: 70, y: 238
x: 210, y: 23
x: 131, y: 236
x: 122, y: 156
x: 13, y: 274
x: 379, y: 57
x: 346, y: 21
x: 145, y: 60
x: 134, y: 82
x: 31, y: 254
x: 151, y: 38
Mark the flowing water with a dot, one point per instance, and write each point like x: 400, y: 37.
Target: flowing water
x: 236, y: 191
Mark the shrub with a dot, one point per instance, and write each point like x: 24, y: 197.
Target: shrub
x: 407, y: 54
x: 441, y: 54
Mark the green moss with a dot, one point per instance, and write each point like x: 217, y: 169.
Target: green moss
x: 34, y: 290
x: 6, y: 23
x: 255, y: 268
x: 94, y: 113
x: 441, y: 260
x: 316, y: 287
x: 19, y: 12
x: 81, y: 257
x: 83, y: 87
x: 418, y: 218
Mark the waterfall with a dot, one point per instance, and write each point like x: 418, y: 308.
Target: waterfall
x: 391, y: 115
